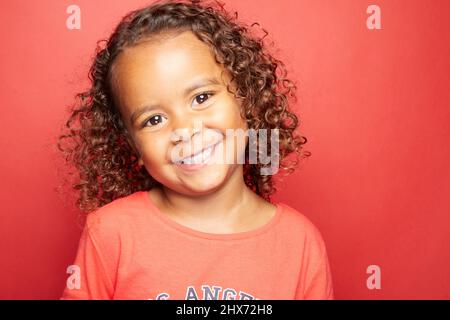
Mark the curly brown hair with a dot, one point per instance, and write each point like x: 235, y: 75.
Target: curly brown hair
x: 101, y: 149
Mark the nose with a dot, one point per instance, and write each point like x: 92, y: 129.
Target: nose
x: 184, y: 134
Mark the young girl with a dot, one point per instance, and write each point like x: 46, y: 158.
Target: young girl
x: 166, y: 221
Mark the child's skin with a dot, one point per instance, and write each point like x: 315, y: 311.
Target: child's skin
x: 214, y: 198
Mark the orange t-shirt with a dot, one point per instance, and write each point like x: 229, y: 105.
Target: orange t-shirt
x: 130, y: 250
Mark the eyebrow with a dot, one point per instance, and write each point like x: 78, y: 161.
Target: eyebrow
x: 198, y: 84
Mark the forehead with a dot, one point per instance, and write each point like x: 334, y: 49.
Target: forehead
x: 160, y: 70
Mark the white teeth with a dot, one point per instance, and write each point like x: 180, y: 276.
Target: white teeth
x: 198, y: 158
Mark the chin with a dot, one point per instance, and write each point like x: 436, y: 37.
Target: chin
x: 203, y: 183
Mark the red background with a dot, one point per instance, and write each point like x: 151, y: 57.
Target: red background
x: 374, y: 105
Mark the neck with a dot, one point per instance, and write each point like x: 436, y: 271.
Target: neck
x: 224, y: 203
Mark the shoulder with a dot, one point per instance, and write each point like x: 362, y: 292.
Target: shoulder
x: 300, y: 227
x: 115, y: 216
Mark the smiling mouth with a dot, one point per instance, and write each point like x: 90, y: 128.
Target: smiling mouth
x: 199, y: 158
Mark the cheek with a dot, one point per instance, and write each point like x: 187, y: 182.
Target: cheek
x: 153, y: 149
x: 227, y: 115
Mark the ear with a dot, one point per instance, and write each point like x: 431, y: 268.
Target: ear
x: 140, y: 160
x: 134, y: 147
x: 138, y: 154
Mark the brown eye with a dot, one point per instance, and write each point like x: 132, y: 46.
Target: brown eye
x: 202, y: 97
x: 155, y: 120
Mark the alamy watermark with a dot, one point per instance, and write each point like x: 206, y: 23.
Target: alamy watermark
x: 74, y: 280
x: 213, y: 147
x: 374, y: 280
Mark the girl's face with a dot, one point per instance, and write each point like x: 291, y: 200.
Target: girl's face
x: 174, y: 101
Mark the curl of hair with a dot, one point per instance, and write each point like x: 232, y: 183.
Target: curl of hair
x: 102, y: 150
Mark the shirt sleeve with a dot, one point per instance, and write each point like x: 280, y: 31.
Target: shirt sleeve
x: 95, y: 279
x: 316, y: 281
